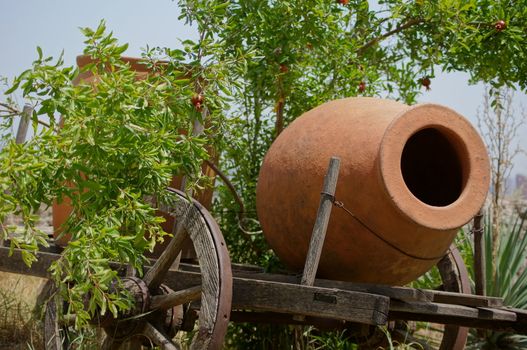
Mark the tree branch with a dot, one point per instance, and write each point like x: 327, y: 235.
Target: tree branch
x: 10, y: 109
x: 13, y: 112
x: 410, y: 23
x: 242, y: 213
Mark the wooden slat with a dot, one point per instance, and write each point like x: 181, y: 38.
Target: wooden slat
x: 398, y: 293
x: 438, y: 310
x: 497, y: 325
x: 521, y: 314
x: 466, y: 299
x: 496, y: 314
x: 309, y: 301
x: 15, y: 264
x: 435, y: 309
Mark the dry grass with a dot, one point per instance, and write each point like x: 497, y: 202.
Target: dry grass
x: 20, y: 327
x: 20, y: 306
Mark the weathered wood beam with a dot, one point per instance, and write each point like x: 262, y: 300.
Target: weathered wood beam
x: 309, y: 301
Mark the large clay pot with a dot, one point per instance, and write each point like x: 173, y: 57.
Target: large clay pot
x: 62, y: 211
x: 411, y: 176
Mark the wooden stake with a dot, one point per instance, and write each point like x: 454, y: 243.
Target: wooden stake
x: 24, y: 124
x: 479, y: 255
x: 321, y: 225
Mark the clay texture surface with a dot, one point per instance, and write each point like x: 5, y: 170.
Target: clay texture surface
x: 412, y: 175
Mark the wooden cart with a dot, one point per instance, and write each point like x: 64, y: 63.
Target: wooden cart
x: 205, y: 294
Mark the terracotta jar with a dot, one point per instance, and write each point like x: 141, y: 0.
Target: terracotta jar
x: 63, y: 210
x: 410, y: 175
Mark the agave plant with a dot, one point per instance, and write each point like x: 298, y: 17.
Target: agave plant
x: 506, y: 277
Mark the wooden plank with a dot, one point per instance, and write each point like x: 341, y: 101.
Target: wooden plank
x: 398, y: 293
x: 309, y: 301
x: 460, y: 316
x: 434, y: 309
x: 496, y: 314
x: 521, y: 314
x: 479, y: 254
x: 15, y: 264
x: 496, y: 325
x: 438, y: 310
x: 465, y: 299
x: 321, y: 224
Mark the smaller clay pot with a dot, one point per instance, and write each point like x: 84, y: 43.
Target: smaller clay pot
x: 62, y: 211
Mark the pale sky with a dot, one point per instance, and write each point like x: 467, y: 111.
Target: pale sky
x: 53, y: 25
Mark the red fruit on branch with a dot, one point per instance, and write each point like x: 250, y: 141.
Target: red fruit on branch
x: 343, y: 2
x: 197, y: 101
x: 426, y: 82
x: 284, y: 68
x: 500, y: 25
x: 362, y: 87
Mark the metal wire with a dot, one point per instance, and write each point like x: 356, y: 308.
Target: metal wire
x: 340, y: 205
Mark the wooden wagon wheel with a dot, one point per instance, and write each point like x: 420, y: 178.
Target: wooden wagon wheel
x: 455, y: 279
x: 162, y: 305
x: 454, y: 276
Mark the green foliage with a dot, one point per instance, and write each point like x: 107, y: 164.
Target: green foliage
x: 307, y: 52
x: 506, y: 277
x: 332, y: 340
x: 259, y: 64
x: 117, y: 145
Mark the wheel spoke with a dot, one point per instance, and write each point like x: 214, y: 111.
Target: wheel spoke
x: 175, y: 298
x: 159, y: 338
x: 154, y: 277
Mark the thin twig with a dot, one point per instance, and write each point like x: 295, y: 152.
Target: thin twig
x: 410, y: 23
x: 229, y: 184
x: 242, y: 217
x: 10, y: 108
x: 38, y: 121
x: 15, y: 112
x: 242, y: 213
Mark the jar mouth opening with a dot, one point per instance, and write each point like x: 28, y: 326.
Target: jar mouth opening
x: 434, y: 166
